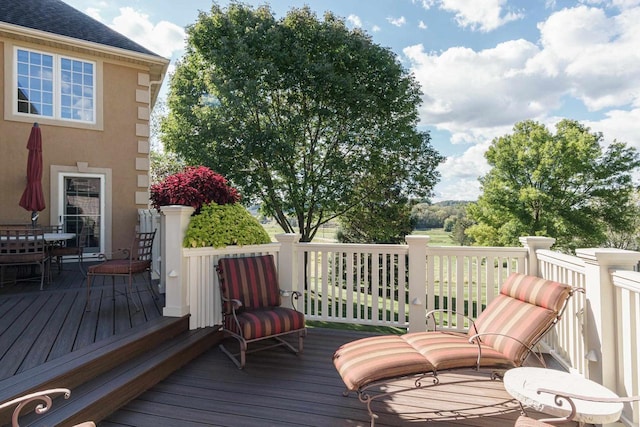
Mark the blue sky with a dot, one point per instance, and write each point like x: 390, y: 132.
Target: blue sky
x: 483, y: 65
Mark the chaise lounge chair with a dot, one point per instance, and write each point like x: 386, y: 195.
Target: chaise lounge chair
x: 501, y: 338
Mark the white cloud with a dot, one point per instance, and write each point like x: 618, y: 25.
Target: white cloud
x: 398, y: 22
x: 422, y: 25
x: 94, y: 13
x: 354, y: 20
x: 426, y: 4
x: 485, y: 16
x: 460, y: 174
x: 163, y: 38
x: 477, y: 95
x: 473, y: 93
x: 620, y: 125
x: 375, y: 29
x: 582, y: 54
x: 598, y: 54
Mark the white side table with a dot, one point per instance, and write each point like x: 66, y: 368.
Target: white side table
x: 523, y: 384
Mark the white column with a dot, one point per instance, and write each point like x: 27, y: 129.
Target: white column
x: 532, y: 244
x: 176, y: 220
x: 417, y: 282
x: 600, y: 339
x: 288, y: 265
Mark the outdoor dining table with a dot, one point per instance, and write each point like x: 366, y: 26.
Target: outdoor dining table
x: 58, y: 237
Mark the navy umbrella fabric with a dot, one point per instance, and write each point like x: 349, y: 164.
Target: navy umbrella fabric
x: 33, y: 198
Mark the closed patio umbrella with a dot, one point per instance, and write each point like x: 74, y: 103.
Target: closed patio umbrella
x: 32, y: 198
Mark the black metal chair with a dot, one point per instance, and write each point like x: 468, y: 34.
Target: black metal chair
x: 74, y: 247
x: 126, y: 263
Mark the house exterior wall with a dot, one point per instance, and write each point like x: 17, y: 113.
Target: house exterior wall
x: 117, y: 145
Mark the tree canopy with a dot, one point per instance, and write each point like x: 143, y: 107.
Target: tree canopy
x: 303, y: 115
x: 565, y: 186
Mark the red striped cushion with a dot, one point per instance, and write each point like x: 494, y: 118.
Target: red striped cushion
x: 261, y: 323
x: 252, y: 280
x: 371, y: 359
x: 450, y: 350
x: 536, y: 290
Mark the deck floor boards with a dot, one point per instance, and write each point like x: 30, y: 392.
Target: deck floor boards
x: 40, y: 326
x: 276, y: 388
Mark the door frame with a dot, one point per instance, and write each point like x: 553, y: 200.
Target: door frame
x: 57, y: 175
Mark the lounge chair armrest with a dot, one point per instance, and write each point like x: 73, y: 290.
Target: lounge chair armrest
x: 431, y: 314
x: 476, y: 338
x: 294, y: 296
x: 235, y: 303
x: 43, y: 399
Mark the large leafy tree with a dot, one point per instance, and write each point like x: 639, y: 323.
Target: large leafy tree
x: 298, y: 113
x: 564, y: 186
x: 380, y: 218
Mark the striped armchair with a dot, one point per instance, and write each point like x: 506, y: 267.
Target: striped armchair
x: 251, y: 306
x: 501, y: 338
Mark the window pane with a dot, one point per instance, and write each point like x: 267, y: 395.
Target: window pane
x: 43, y: 83
x: 80, y: 106
x: 34, y: 73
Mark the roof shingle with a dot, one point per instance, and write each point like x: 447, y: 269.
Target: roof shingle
x: 57, y: 17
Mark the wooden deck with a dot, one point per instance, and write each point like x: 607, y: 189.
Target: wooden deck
x: 40, y: 326
x: 275, y: 389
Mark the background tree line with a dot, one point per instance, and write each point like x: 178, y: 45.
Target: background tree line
x: 316, y: 123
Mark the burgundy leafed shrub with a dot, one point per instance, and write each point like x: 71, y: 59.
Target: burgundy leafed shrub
x: 195, y: 186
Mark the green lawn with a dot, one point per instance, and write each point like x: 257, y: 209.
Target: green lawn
x: 439, y: 237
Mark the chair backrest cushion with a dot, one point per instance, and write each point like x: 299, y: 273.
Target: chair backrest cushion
x: 251, y: 280
x: 536, y: 290
x: 526, y: 309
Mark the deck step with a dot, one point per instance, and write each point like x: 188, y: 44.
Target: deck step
x: 110, y: 373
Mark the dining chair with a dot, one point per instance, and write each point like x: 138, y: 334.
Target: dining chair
x: 74, y: 247
x: 23, y: 246
x: 125, y: 263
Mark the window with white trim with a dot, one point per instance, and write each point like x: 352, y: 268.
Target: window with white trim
x: 55, y: 86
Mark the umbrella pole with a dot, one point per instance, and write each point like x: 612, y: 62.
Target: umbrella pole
x: 34, y: 218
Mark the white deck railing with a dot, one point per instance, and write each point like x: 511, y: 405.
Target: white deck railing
x: 566, y: 341
x: 351, y: 283
x: 394, y: 285
x: 627, y: 326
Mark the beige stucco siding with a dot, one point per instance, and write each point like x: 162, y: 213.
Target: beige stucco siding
x: 115, y: 147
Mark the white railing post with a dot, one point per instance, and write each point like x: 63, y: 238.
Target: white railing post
x: 417, y: 282
x: 600, y: 310
x: 176, y: 220
x: 532, y: 244
x: 287, y: 264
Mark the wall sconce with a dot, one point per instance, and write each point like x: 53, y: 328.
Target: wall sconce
x: 416, y: 301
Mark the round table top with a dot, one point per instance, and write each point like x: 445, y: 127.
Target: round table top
x: 524, y: 383
x: 53, y: 237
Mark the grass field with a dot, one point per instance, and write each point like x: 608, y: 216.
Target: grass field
x: 439, y: 237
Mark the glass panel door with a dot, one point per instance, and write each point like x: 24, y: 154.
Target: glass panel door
x: 82, y: 207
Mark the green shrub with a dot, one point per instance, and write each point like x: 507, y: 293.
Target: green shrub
x: 224, y: 225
